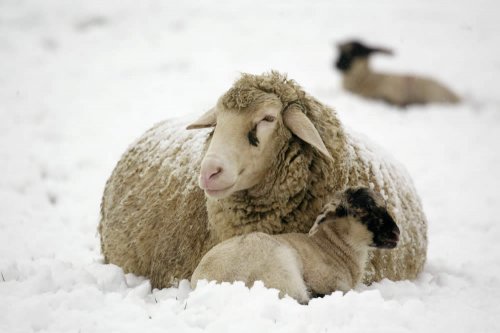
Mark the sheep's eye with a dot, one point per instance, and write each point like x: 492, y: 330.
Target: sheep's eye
x: 252, y: 137
x: 269, y: 119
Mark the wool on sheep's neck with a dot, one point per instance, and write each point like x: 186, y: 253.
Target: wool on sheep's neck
x: 293, y: 192
x: 266, y: 206
x: 288, y: 197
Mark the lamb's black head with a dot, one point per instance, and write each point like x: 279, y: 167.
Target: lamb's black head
x: 370, y: 209
x: 351, y: 50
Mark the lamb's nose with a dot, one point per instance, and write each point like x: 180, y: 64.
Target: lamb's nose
x: 396, y: 233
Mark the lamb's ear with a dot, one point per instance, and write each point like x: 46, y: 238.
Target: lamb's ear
x: 298, y: 123
x: 382, y: 50
x: 208, y: 119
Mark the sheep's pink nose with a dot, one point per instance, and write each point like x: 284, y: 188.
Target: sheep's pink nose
x: 211, y: 173
x: 216, y: 175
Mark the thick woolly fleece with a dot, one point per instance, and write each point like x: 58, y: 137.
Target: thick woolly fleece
x: 154, y: 219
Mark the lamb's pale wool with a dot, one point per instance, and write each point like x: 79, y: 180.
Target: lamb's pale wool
x: 400, y: 90
x: 331, y: 257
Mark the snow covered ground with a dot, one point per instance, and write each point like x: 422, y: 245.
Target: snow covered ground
x: 81, y: 80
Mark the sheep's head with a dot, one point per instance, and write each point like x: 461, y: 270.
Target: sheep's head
x: 365, y: 213
x: 252, y: 125
x: 352, y: 50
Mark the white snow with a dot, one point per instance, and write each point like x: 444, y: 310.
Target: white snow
x: 80, y: 81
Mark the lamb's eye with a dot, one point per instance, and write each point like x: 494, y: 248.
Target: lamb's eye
x: 269, y: 119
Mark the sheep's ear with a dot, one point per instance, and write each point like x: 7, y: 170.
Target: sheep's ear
x: 298, y: 123
x: 382, y: 50
x: 208, y: 119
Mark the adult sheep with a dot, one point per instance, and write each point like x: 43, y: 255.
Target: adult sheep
x: 274, y: 158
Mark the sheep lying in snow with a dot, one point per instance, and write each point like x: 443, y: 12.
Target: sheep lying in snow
x: 273, y: 158
x: 400, y: 90
x: 332, y: 257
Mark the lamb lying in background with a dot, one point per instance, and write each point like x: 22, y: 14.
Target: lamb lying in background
x: 400, y: 90
x: 331, y: 257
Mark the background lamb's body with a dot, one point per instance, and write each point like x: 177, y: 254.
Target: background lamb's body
x: 154, y: 218
x: 331, y: 257
x: 400, y: 90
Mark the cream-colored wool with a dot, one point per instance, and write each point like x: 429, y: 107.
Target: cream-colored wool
x: 156, y: 222
x: 331, y: 257
x: 400, y: 90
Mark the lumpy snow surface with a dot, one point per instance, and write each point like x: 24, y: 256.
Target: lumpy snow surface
x: 80, y: 81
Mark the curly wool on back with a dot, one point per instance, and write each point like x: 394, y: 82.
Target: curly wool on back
x: 156, y: 221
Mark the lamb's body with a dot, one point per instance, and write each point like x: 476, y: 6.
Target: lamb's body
x: 294, y: 263
x: 331, y: 257
x: 154, y: 218
x: 252, y: 257
x: 400, y: 90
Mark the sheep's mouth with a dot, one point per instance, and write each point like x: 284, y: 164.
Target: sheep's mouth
x: 388, y: 241
x: 219, y: 193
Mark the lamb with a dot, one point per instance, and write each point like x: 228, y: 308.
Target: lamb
x: 399, y: 90
x: 272, y: 157
x: 331, y: 257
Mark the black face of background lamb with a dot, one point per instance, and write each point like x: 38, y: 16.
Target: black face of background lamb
x: 350, y: 52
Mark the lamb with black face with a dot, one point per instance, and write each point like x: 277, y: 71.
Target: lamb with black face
x: 353, y: 62
x: 332, y: 256
x: 369, y: 208
x: 352, y: 50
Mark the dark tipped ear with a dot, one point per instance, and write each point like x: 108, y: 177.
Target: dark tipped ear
x: 363, y: 50
x: 382, y: 50
x: 208, y: 119
x: 298, y: 123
